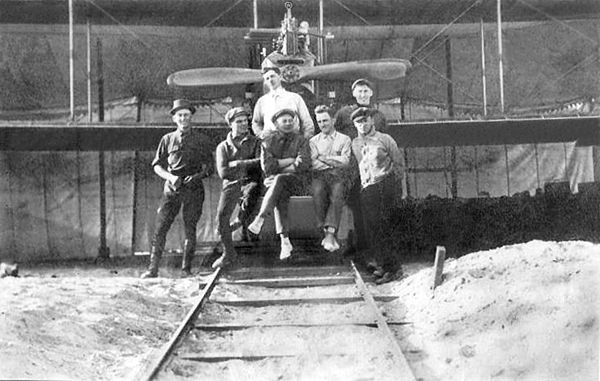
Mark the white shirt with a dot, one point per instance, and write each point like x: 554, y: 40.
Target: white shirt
x: 335, y: 148
x: 276, y: 100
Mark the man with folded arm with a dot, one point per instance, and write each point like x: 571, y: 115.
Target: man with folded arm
x: 238, y: 164
x: 284, y: 158
x: 330, y: 154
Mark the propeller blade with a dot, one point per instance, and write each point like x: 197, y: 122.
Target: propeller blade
x: 214, y: 76
x: 384, y: 69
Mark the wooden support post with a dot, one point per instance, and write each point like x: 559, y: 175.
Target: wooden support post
x: 440, y: 257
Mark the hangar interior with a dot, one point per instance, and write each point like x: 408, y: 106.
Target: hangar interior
x: 54, y: 198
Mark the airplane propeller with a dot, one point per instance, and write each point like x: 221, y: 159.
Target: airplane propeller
x: 385, y: 69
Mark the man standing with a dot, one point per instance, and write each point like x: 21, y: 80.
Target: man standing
x: 330, y: 154
x: 182, y: 159
x: 362, y: 91
x: 278, y: 98
x: 284, y: 156
x: 380, y: 164
x: 238, y: 164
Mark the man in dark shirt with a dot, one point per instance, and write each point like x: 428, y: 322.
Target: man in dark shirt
x: 362, y: 91
x: 182, y: 159
x: 285, y: 155
x: 238, y: 164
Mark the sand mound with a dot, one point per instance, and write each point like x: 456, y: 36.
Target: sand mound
x: 521, y: 312
x: 86, y: 328
x: 526, y: 312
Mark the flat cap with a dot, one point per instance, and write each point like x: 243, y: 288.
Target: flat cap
x: 360, y: 113
x: 283, y: 111
x: 179, y: 104
x: 234, y: 113
x: 362, y: 81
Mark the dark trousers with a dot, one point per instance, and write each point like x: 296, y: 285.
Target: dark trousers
x: 328, y: 193
x: 190, y: 200
x: 353, y: 202
x: 244, y: 195
x: 378, y: 202
x: 277, y: 198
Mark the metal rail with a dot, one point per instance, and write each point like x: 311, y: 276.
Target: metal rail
x: 383, y: 326
x: 160, y: 361
x: 157, y: 362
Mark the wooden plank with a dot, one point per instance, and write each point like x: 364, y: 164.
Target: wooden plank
x: 159, y: 358
x: 438, y: 266
x: 295, y: 301
x: 292, y: 282
x: 267, y: 272
x: 239, y: 327
x: 405, y: 371
x: 227, y: 356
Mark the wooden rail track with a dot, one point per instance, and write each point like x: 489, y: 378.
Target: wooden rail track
x: 184, y: 353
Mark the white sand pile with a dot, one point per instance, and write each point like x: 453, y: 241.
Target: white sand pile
x: 521, y: 312
x: 86, y: 328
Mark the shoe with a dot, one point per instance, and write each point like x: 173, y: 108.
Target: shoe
x: 235, y: 225
x: 335, y: 246
x: 286, y: 249
x: 372, y: 266
x: 149, y: 274
x: 378, y: 272
x: 186, y: 273
x: 387, y: 277
x: 256, y: 225
x: 223, y: 261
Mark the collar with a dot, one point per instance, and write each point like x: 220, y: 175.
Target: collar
x: 333, y: 135
x: 240, y: 139
x: 277, y: 92
x: 370, y: 134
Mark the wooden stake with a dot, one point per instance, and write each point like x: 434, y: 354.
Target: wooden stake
x: 440, y: 257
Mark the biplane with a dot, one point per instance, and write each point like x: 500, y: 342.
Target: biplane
x: 291, y: 53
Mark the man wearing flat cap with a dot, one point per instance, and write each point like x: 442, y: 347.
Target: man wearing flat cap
x: 284, y: 158
x: 277, y: 98
x: 183, y: 159
x: 238, y: 164
x: 362, y: 91
x: 381, y: 169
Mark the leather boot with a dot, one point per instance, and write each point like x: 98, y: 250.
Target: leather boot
x: 188, y: 255
x: 152, y: 271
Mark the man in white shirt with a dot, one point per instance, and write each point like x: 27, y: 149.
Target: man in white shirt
x: 381, y: 168
x: 278, y: 98
x: 330, y: 155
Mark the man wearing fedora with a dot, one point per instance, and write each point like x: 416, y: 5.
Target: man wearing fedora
x: 183, y: 158
x: 284, y: 158
x: 238, y: 164
x: 362, y: 91
x: 381, y: 169
x: 277, y: 98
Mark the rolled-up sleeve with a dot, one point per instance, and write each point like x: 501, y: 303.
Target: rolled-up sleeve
x: 162, y: 153
x: 307, y: 126
x: 222, y: 162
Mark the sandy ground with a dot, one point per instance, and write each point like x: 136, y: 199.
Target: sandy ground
x: 521, y: 312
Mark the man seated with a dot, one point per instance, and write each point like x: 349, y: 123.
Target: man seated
x: 238, y: 164
x: 285, y: 155
x: 330, y: 155
x: 381, y: 167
